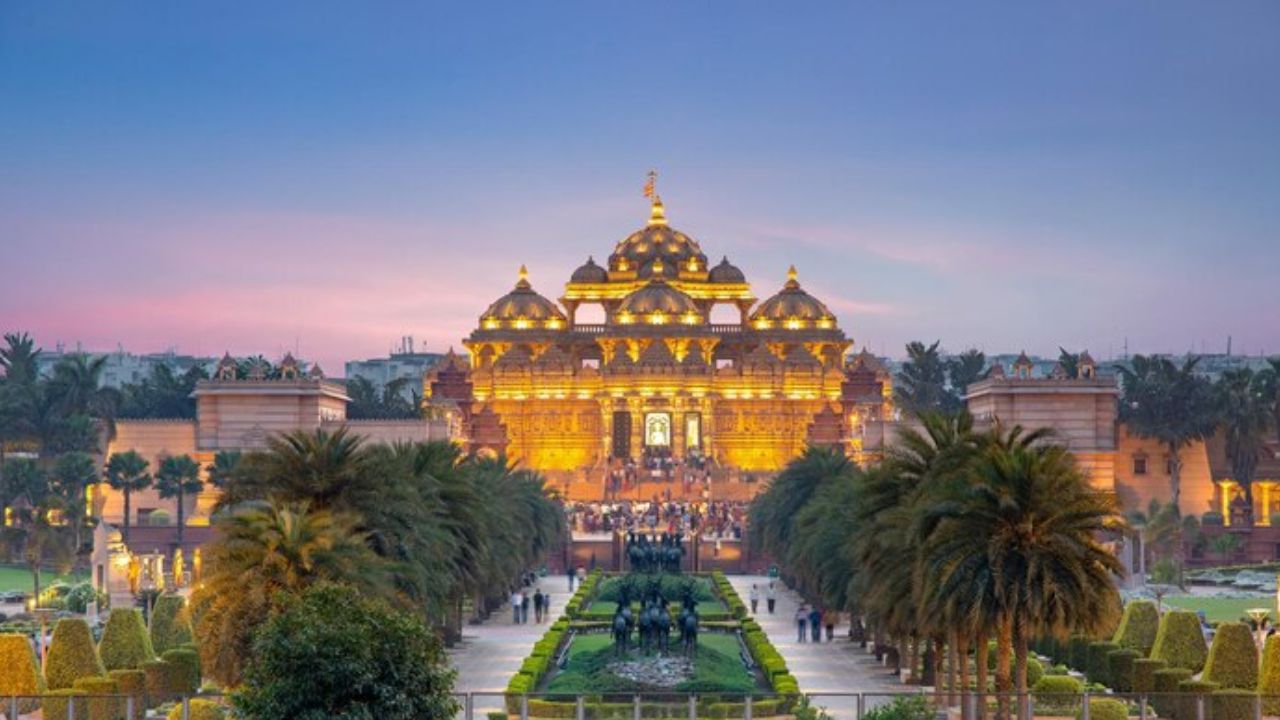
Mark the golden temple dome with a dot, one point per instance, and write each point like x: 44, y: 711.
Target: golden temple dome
x: 657, y: 241
x: 726, y: 272
x: 658, y: 303
x: 792, y: 308
x: 523, y: 308
x: 590, y: 272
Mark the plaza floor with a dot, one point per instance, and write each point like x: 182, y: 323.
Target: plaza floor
x: 491, y: 652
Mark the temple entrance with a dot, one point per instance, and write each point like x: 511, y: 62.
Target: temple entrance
x: 692, y: 433
x: 657, y: 431
x: 621, y: 434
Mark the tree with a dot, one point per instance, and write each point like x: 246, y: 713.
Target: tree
x: 391, y: 403
x: 76, y: 386
x: 362, y: 659
x: 1168, y: 403
x: 1225, y: 545
x: 922, y: 382
x: 1069, y: 362
x: 178, y: 477
x: 964, y: 370
x: 28, y: 494
x: 1246, y: 413
x: 225, y: 465
x: 162, y: 394
x: 263, y: 553
x: 127, y: 473
x: 73, y: 473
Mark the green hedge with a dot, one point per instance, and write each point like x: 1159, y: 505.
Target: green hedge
x: 101, y: 701
x: 1233, y: 659
x: 1138, y: 627
x: 1166, y: 682
x: 198, y: 709
x: 1269, y: 677
x: 170, y: 623
x: 1058, y: 693
x: 1185, y: 708
x: 1179, y: 641
x: 132, y: 682
x: 1078, y: 652
x: 1120, y: 669
x: 1233, y: 704
x: 71, y: 655
x: 20, y: 671
x: 125, y: 644
x: 186, y: 669
x: 1143, y: 671
x: 1098, y: 665
x: 1106, y: 709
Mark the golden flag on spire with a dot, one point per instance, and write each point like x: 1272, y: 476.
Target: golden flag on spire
x: 650, y: 185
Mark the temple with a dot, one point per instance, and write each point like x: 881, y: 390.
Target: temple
x: 658, y: 378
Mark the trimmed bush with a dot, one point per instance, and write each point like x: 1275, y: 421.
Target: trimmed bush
x: 1078, y: 652
x: 54, y: 704
x: 1192, y: 690
x: 1179, y: 641
x: 1233, y: 659
x: 1059, y: 693
x: 165, y: 682
x: 125, y: 644
x: 1035, y: 671
x: 72, y: 655
x: 199, y: 710
x: 1107, y: 709
x: 99, y: 708
x: 1233, y: 704
x: 1098, y: 665
x: 19, y: 672
x: 132, y: 682
x: 170, y: 623
x: 186, y: 664
x: 1269, y: 678
x: 1143, y: 671
x: 1166, y: 682
x: 1138, y: 627
x: 1120, y: 669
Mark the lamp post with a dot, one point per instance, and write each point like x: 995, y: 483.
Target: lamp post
x: 1259, y: 617
x: 43, y: 615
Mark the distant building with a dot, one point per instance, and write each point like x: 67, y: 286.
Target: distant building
x: 123, y: 367
x: 404, y: 363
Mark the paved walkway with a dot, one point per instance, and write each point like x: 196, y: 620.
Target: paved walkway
x: 490, y: 653
x: 824, y: 668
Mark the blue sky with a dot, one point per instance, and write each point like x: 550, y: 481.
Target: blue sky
x: 332, y: 176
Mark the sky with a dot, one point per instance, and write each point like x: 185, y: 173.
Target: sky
x: 326, y: 177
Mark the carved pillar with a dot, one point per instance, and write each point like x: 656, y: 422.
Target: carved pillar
x: 571, y: 306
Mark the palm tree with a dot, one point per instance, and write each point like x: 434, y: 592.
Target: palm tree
x: 178, y: 477
x: 921, y: 383
x: 265, y: 552
x: 1246, y: 416
x: 1225, y: 545
x: 774, y: 512
x: 19, y: 358
x: 127, y: 473
x: 73, y: 473
x: 223, y: 468
x: 28, y: 495
x: 962, y: 371
x: 1168, y: 403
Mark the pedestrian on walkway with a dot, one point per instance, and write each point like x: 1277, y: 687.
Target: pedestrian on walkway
x: 572, y: 576
x: 802, y: 619
x: 771, y: 597
x: 831, y: 617
x: 537, y: 605
x: 515, y: 606
x: 524, y: 608
x: 815, y: 623
x: 755, y: 597
x: 546, y: 607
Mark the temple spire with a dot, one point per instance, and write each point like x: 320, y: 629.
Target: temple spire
x: 657, y: 213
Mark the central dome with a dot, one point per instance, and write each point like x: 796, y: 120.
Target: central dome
x: 671, y: 249
x: 658, y: 303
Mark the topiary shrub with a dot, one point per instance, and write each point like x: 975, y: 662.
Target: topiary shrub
x: 1098, y: 666
x: 186, y: 670
x: 1269, y: 677
x: 199, y: 710
x: 1193, y: 693
x: 132, y: 682
x: 165, y: 682
x: 65, y: 703
x: 1179, y: 641
x: 1035, y: 671
x: 125, y: 644
x: 19, y: 672
x: 170, y: 623
x: 71, y: 655
x: 1107, y: 709
x: 1143, y: 674
x: 1057, y: 694
x: 1166, y: 682
x: 1138, y: 627
x: 1078, y: 652
x: 1233, y: 704
x: 100, y: 698
x: 1233, y: 659
x: 1120, y: 669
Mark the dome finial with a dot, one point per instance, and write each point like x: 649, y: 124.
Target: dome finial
x: 791, y: 274
x: 658, y: 213
x: 522, y: 276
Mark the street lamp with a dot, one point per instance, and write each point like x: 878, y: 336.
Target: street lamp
x: 1259, y: 617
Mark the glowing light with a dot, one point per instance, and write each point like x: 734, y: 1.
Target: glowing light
x: 657, y: 318
x: 625, y: 318
x: 690, y: 318
x: 521, y: 324
x: 763, y: 324
x: 794, y: 324
x: 491, y: 324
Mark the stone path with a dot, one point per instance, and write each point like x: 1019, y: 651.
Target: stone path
x: 490, y: 653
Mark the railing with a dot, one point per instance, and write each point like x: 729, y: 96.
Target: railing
x: 97, y: 705
x: 714, y: 329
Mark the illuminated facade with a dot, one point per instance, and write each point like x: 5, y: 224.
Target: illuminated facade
x: 657, y: 377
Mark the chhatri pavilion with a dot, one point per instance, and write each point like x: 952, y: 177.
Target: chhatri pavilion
x: 658, y: 377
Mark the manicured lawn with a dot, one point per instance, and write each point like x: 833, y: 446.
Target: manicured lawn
x: 605, y: 607
x: 19, y: 578
x: 1220, y: 608
x: 717, y: 667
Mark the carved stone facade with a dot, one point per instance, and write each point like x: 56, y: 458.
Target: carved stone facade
x: 658, y: 377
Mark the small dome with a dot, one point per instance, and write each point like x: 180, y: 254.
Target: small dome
x: 522, y: 307
x: 658, y: 303
x: 726, y: 272
x: 590, y: 272
x: 657, y: 241
x: 792, y: 308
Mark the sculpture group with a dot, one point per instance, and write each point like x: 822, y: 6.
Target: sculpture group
x: 648, y: 554
x: 653, y: 622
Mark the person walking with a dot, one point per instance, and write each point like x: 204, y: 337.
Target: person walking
x: 771, y: 597
x: 831, y: 617
x: 537, y: 605
x: 515, y: 607
x: 802, y: 619
x: 815, y: 623
x: 572, y: 576
x: 524, y: 608
x: 755, y: 597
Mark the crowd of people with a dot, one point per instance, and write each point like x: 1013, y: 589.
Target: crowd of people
x: 657, y: 465
x: 713, y: 520
x: 811, y: 621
